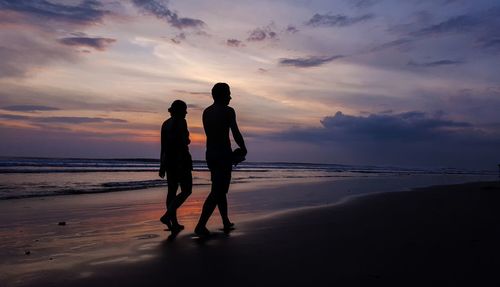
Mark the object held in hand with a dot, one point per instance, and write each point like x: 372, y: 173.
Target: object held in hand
x: 238, y: 156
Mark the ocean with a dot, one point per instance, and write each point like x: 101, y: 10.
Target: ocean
x: 109, y: 208
x: 22, y: 177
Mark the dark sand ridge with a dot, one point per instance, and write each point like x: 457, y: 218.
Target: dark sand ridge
x: 438, y: 236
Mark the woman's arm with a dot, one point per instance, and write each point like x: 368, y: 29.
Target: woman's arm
x: 163, y: 140
x: 185, y: 133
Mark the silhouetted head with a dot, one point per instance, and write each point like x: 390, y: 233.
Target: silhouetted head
x: 178, y: 109
x: 221, y: 93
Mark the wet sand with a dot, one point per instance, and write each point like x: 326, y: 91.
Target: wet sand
x: 438, y: 236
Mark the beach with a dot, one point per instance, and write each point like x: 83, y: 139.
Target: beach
x: 441, y: 235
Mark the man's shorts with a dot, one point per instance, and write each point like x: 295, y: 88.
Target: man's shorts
x: 221, y: 177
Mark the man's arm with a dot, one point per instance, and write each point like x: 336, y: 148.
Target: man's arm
x: 238, y: 138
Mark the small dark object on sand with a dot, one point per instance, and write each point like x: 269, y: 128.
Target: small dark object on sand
x: 62, y: 223
x: 27, y: 252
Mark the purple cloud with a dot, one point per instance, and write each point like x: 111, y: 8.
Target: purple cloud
x: 24, y: 50
x: 490, y: 43
x: 161, y: 11
x: 434, y: 63
x: 461, y: 23
x: 480, y: 25
x: 20, y: 53
x: 363, y: 3
x: 63, y: 120
x: 234, y: 43
x: 29, y: 108
x: 96, y: 43
x: 87, y: 12
x: 291, y: 29
x: 262, y: 33
x: 338, y: 20
x: 409, y: 138
x: 178, y: 38
x: 307, y: 62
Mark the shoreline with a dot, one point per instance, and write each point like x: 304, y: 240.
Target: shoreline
x: 379, y: 239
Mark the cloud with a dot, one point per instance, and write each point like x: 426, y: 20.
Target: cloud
x: 195, y: 107
x: 434, y: 63
x: 461, y: 23
x: 391, y: 44
x: 96, y: 43
x: 161, y: 11
x: 63, y: 120
x: 404, y: 126
x: 178, y: 38
x: 478, y: 104
x: 291, y: 29
x: 13, y: 117
x: 20, y: 53
x: 479, y: 25
x: 270, y: 32
x: 409, y: 138
x: 80, y: 120
x: 193, y: 92
x: 29, y: 108
x: 408, y: 126
x: 489, y: 43
x: 65, y: 143
x: 30, y: 32
x: 307, y: 62
x: 338, y: 20
x: 234, y: 43
x: 263, y: 33
x: 66, y: 98
x: 363, y: 3
x: 86, y: 12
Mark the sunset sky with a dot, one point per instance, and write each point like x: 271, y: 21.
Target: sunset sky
x: 386, y: 82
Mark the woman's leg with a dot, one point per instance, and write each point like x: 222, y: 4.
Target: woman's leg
x: 173, y: 184
x: 186, y: 184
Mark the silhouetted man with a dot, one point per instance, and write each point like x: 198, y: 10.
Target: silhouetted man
x: 218, y: 119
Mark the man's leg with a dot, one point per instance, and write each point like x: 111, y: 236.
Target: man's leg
x: 210, y: 203
x: 225, y: 181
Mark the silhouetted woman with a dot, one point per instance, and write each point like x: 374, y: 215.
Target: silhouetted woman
x: 176, y: 162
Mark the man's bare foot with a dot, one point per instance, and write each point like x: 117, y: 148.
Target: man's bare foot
x: 201, y: 231
x: 228, y: 226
